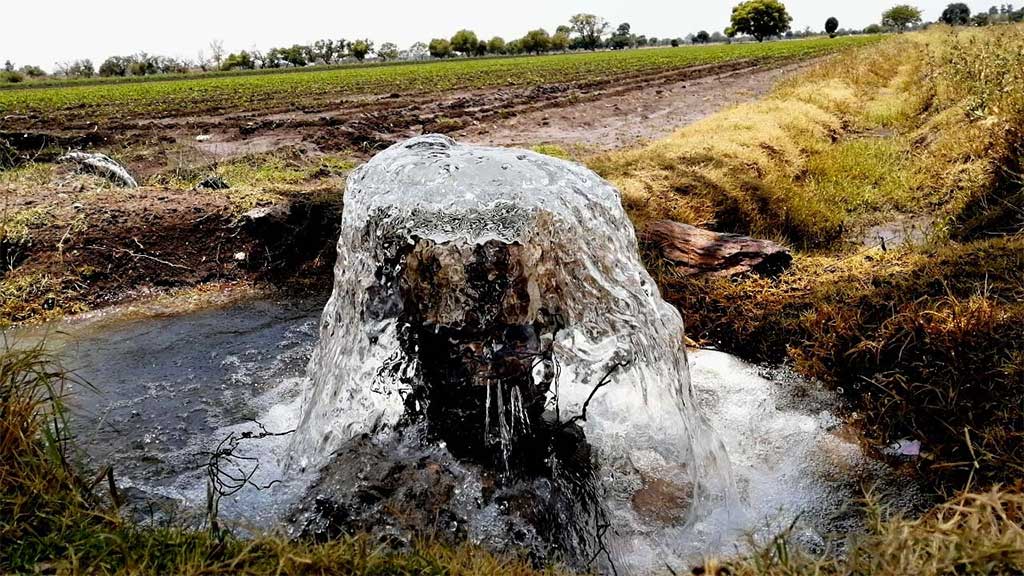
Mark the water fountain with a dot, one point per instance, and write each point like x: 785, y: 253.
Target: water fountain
x: 491, y: 319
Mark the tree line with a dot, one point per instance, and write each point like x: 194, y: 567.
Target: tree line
x: 752, y: 20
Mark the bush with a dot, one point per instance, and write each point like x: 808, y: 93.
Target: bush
x: 12, y: 77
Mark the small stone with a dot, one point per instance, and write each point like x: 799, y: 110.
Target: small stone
x: 240, y: 256
x: 203, y: 138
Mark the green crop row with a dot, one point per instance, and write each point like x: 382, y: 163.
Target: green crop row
x: 256, y: 91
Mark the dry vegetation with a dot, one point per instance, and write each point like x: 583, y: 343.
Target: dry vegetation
x: 924, y: 338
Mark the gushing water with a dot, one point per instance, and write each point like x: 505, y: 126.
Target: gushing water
x: 468, y: 273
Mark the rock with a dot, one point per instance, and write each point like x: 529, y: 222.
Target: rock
x: 213, y: 183
x: 269, y: 215
x: 101, y: 165
x: 203, y: 138
x: 693, y: 250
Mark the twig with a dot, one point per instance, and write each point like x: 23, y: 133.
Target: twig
x: 601, y: 383
x: 148, y: 257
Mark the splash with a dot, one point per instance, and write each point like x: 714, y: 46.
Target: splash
x: 497, y: 298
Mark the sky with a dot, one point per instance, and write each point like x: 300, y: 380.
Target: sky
x: 43, y: 32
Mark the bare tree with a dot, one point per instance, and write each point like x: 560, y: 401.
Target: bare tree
x: 202, y: 61
x: 217, y: 52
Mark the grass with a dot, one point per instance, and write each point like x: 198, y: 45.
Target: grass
x: 976, y: 534
x: 206, y: 95
x: 924, y: 340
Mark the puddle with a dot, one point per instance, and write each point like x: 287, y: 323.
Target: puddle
x: 169, y: 389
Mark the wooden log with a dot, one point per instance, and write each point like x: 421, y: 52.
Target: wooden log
x: 691, y: 250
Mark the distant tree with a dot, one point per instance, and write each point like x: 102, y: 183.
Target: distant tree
x: 702, y: 37
x: 388, y: 51
x: 115, y: 66
x: 241, y: 61
x: 514, y: 47
x: 496, y: 45
x: 217, y: 52
x: 675, y: 42
x: 481, y: 48
x: 465, y: 42
x: 654, y: 41
x: 956, y: 14
x: 536, y: 41
x: 76, y: 69
x: 760, y: 19
x: 622, y: 38
x: 831, y: 25
x: 560, y: 41
x: 8, y: 66
x: 590, y: 29
x: 873, y: 29
x: 440, y: 48
x: 719, y: 37
x: 360, y: 48
x: 901, y: 17
x: 328, y: 51
x: 32, y: 71
x: 419, y: 51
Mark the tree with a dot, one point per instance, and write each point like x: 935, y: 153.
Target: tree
x: 901, y: 17
x: 388, y: 51
x: 360, y: 48
x: 328, y: 51
x: 419, y: 51
x: 8, y: 66
x: 465, y: 42
x: 702, y: 37
x: 115, y: 66
x: 831, y: 25
x: 76, y: 69
x: 622, y: 38
x: 241, y: 61
x: 560, y: 41
x: 536, y: 41
x: 217, y: 52
x: 675, y: 42
x: 873, y: 29
x: 956, y: 14
x: 760, y: 19
x: 32, y: 71
x: 589, y: 28
x: 496, y: 45
x: 440, y: 48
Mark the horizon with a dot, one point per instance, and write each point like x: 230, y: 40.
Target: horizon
x: 106, y: 28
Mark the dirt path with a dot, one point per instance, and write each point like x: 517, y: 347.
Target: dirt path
x: 627, y: 118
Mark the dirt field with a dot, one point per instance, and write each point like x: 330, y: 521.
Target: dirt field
x: 77, y: 242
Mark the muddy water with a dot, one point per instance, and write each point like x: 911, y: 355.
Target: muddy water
x: 168, y: 389
x: 164, y: 391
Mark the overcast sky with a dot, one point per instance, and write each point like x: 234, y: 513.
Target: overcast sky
x: 43, y: 32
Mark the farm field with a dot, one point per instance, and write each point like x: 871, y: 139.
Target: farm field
x: 312, y: 88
